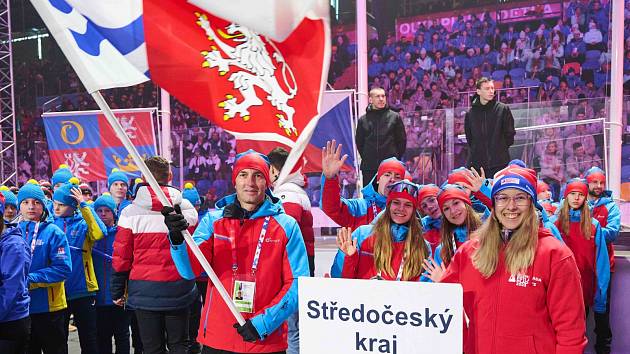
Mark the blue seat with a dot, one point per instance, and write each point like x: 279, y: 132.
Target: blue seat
x: 531, y: 82
x: 498, y: 75
x: 600, y: 79
x: 486, y: 74
x: 590, y: 65
x: 517, y: 73
x: 592, y: 55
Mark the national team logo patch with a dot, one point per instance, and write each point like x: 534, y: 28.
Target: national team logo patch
x: 61, y: 251
x: 510, y: 180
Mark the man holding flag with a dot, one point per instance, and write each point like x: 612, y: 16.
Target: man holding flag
x: 258, y: 253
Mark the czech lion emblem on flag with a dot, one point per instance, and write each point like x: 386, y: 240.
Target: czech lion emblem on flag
x: 246, y: 83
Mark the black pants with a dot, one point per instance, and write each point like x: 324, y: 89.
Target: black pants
x: 48, y: 333
x: 84, y: 311
x: 603, y: 332
x: 193, y: 326
x: 112, y: 321
x: 154, y: 325
x: 136, y: 342
x: 208, y: 350
x: 14, y: 336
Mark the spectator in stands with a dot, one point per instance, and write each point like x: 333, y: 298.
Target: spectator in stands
x: 582, y: 136
x: 489, y: 130
x: 375, y: 67
x: 599, y: 14
x: 576, y: 33
x: 380, y: 134
x: 534, y: 66
x: 549, y: 135
x: 593, y: 38
x: 580, y: 161
x: 424, y: 60
x: 564, y: 93
x: 579, y: 18
x: 395, y: 96
x: 551, y: 167
x: 509, y: 37
x: 556, y: 49
x: 196, y: 164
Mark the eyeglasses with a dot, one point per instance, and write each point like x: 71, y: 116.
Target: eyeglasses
x: 519, y: 200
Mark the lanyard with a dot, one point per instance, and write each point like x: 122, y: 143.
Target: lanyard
x: 261, y: 240
x: 374, y: 211
x: 33, y: 241
x: 400, y: 270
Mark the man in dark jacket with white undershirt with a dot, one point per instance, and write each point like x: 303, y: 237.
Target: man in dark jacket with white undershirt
x: 489, y: 129
x: 380, y: 134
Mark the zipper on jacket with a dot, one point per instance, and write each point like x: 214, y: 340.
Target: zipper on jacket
x: 205, y: 321
x: 52, y: 293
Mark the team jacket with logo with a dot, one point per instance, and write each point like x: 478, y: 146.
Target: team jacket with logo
x: 592, y: 260
x: 350, y: 213
x: 606, y: 211
x: 282, y: 260
x: 81, y: 230
x: 50, y: 266
x: 141, y: 255
x: 102, y: 259
x: 361, y: 264
x: 538, y: 311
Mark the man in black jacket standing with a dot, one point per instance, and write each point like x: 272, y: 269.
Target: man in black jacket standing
x: 489, y: 129
x: 380, y: 134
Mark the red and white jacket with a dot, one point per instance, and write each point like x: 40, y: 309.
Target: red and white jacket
x: 142, y: 254
x: 296, y: 203
x: 539, y: 311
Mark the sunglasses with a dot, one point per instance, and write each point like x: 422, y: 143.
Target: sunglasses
x: 405, y: 186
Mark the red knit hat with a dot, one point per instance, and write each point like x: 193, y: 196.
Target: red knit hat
x: 542, y: 187
x: 253, y: 160
x: 458, y: 175
x: 405, y: 190
x: 428, y: 190
x: 391, y: 164
x: 576, y: 185
x: 450, y: 192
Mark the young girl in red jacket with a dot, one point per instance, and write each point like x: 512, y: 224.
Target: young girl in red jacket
x: 459, y: 219
x: 582, y: 234
x: 432, y: 216
x: 521, y: 285
x: 393, y: 248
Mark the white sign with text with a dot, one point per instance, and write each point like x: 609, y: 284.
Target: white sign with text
x: 345, y: 316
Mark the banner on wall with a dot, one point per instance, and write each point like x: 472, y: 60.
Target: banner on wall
x: 88, y: 145
x: 341, y: 316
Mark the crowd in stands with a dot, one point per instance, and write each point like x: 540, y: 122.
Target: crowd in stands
x: 565, y: 59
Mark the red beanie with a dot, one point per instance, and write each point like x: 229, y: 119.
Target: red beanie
x: 450, y: 192
x: 542, y: 187
x: 391, y: 164
x: 405, y: 190
x: 253, y: 160
x: 458, y: 175
x: 428, y: 190
x: 576, y: 185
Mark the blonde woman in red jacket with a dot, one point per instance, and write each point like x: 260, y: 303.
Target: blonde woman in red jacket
x: 521, y: 285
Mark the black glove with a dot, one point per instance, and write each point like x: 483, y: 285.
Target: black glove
x: 175, y: 222
x: 247, y: 331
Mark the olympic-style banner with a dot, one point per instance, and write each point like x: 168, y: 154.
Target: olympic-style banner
x: 341, y: 316
x: 88, y: 145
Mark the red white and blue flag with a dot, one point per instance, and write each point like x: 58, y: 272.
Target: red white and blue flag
x: 250, y: 85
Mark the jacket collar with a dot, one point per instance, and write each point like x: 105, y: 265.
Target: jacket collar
x: 231, y: 208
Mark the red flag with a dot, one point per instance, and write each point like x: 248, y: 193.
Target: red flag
x: 249, y: 85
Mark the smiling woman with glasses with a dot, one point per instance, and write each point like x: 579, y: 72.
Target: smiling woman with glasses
x: 521, y: 285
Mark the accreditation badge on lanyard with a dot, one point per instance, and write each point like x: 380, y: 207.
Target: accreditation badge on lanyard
x: 34, y: 240
x: 399, y: 275
x: 244, y: 287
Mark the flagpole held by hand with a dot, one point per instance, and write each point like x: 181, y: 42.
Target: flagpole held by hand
x: 120, y: 133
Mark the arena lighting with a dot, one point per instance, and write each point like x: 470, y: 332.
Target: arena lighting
x: 37, y: 37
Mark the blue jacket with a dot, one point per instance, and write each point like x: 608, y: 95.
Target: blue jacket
x: 50, y: 265
x: 102, y: 260
x: 399, y: 234
x: 82, y: 230
x: 15, y: 261
x: 606, y: 211
x: 282, y: 260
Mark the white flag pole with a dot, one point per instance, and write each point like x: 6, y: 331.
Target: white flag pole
x: 120, y: 133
